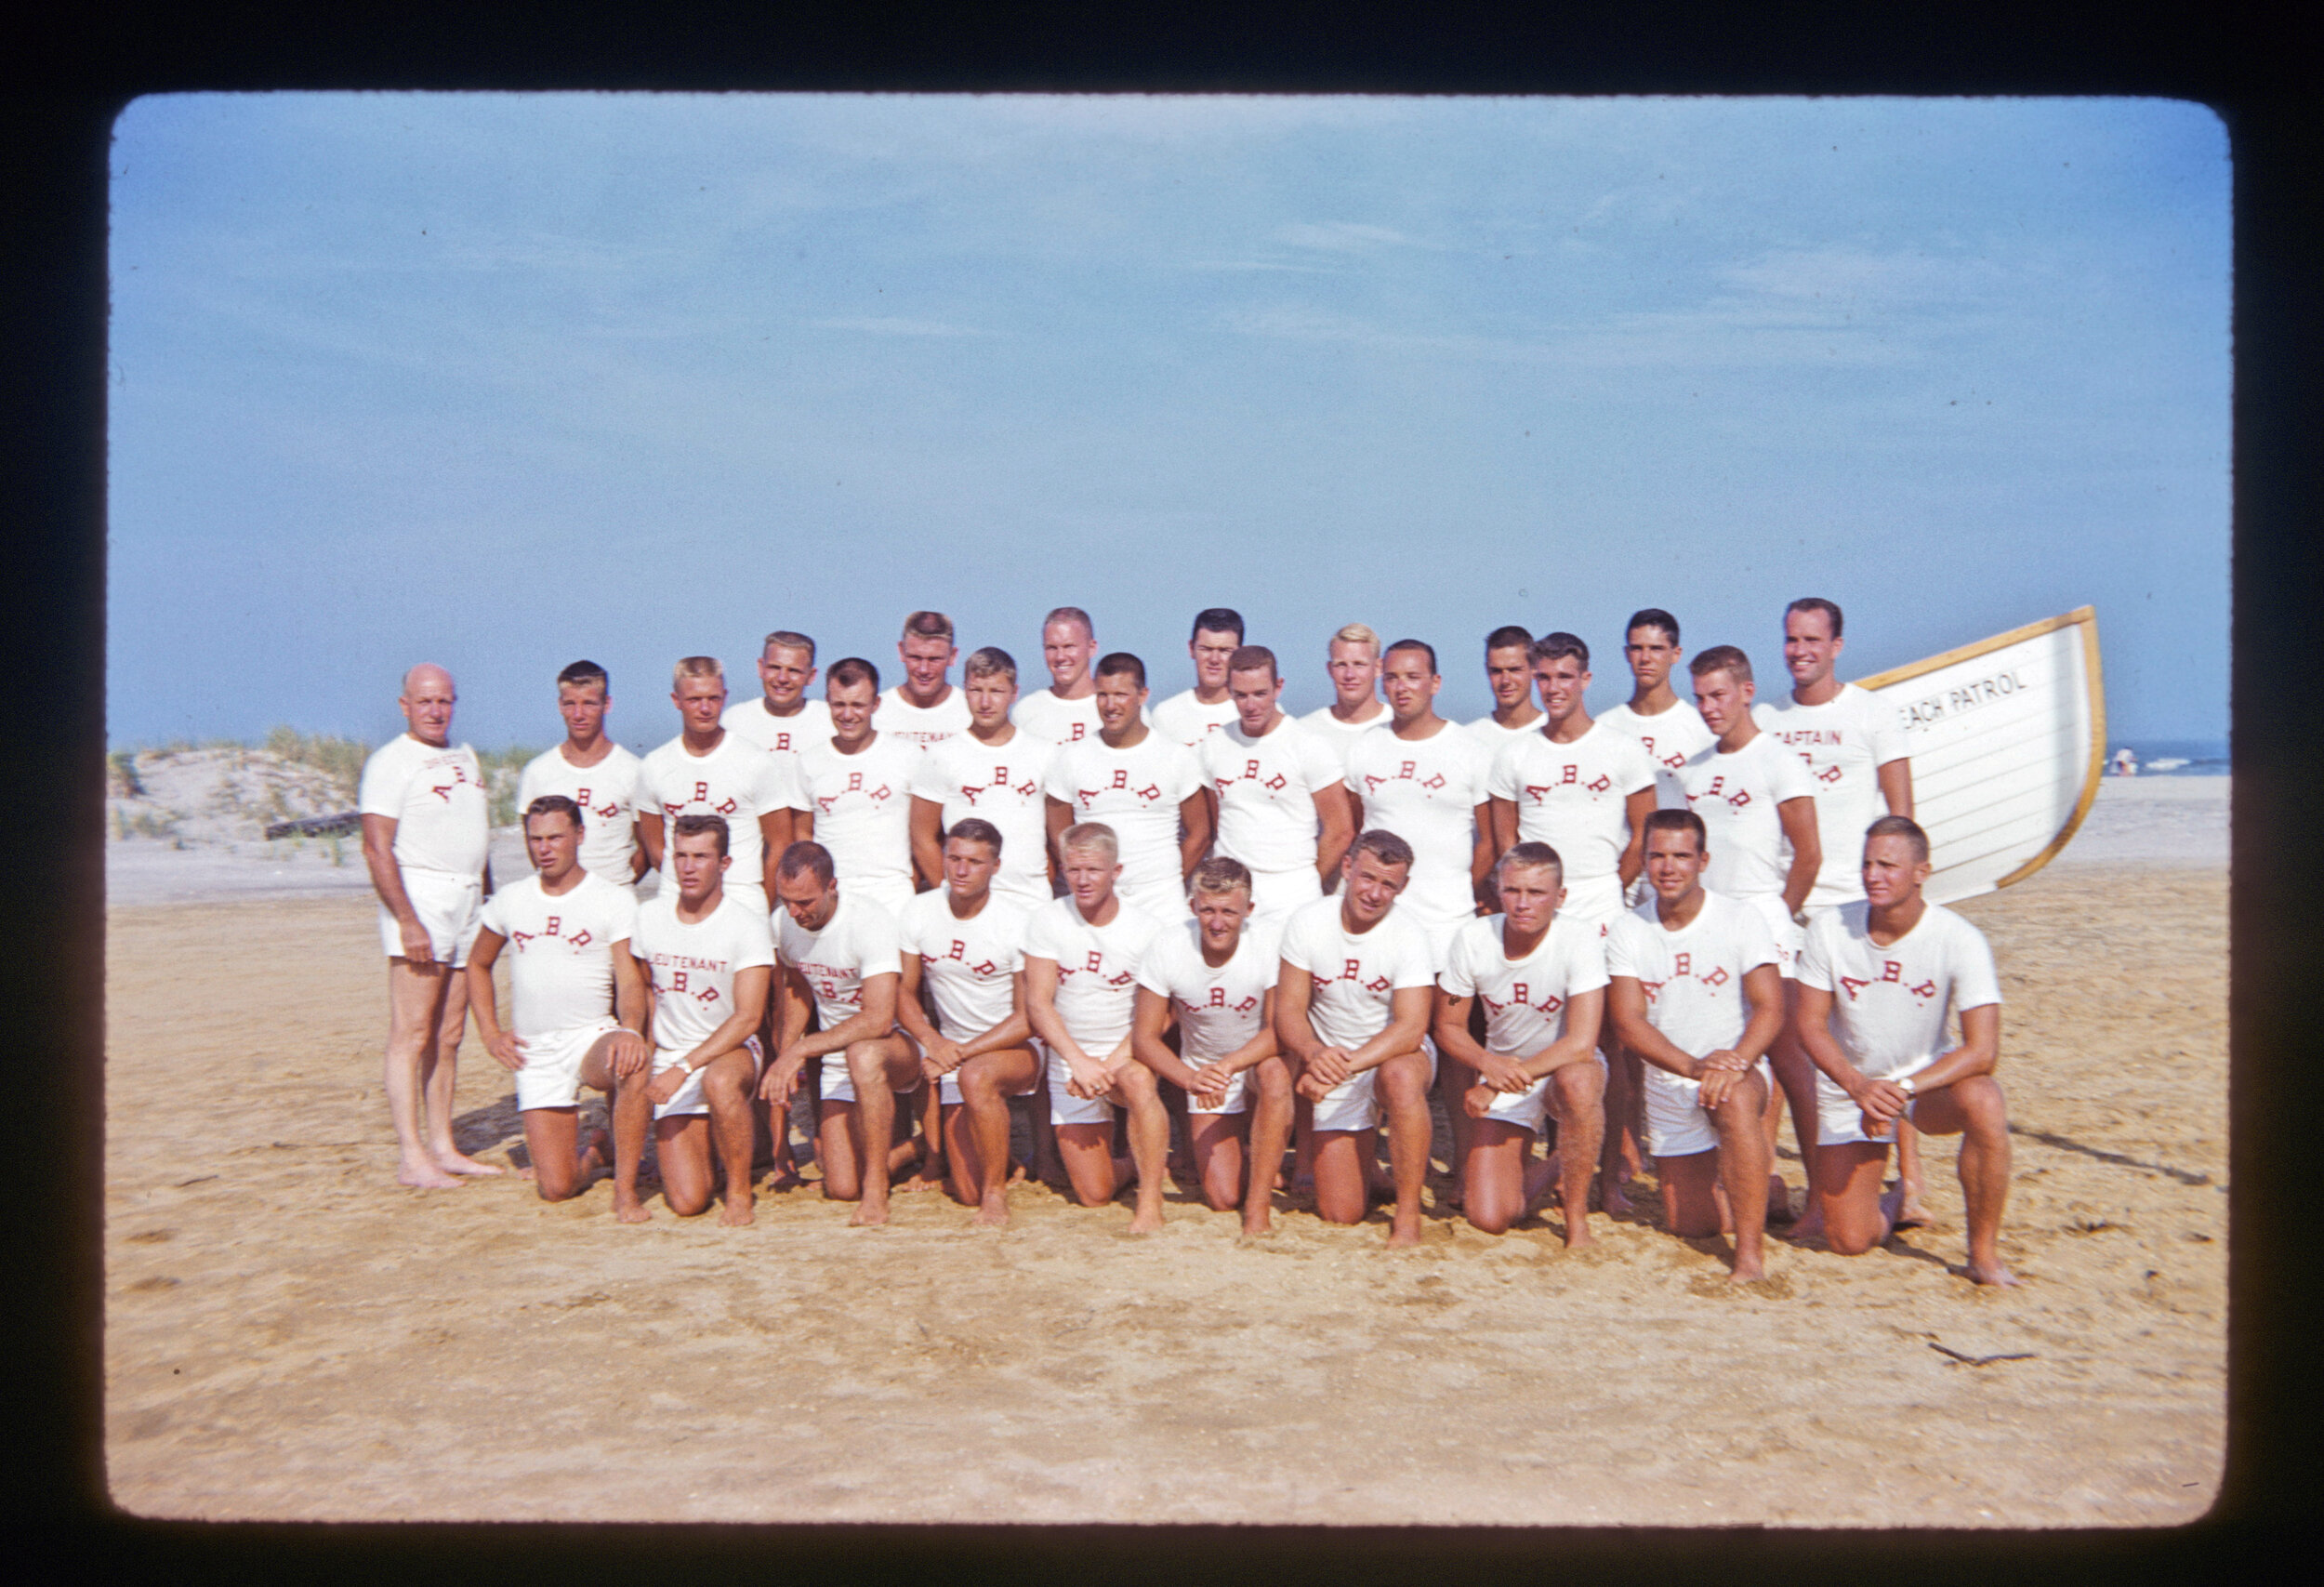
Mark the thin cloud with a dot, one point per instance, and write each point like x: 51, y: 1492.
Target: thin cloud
x: 1345, y: 236
x: 893, y: 325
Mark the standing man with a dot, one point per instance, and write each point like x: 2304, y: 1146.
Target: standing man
x: 842, y: 955
x: 1425, y: 780
x: 707, y: 771
x: 1067, y: 710
x: 1753, y: 796
x: 925, y: 707
x: 1542, y: 978
x: 992, y: 773
x: 1081, y: 957
x: 581, y: 1004
x: 1275, y: 793
x: 709, y: 958
x: 1190, y: 717
x: 782, y: 719
x: 1509, y: 673
x: 1856, y: 752
x: 1667, y: 728
x: 426, y: 835
x: 1694, y: 991
x: 1215, y: 978
x: 1352, y: 660
x: 597, y: 774
x: 1875, y: 981
x: 1352, y: 1009
x: 856, y: 786
x: 965, y: 943
x: 1142, y: 786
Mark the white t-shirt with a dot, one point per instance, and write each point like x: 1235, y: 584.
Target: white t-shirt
x: 1356, y: 976
x: 1137, y: 792
x: 1668, y: 740
x: 437, y: 800
x: 1524, y: 999
x: 969, y: 966
x: 1888, y: 1004
x: 1339, y: 736
x: 860, y: 940
x: 1187, y: 720
x: 863, y: 807
x: 1266, y: 788
x: 920, y: 726
x: 1693, y: 978
x: 1843, y: 743
x: 607, y: 794
x: 1425, y: 791
x: 1736, y: 795
x: 692, y: 966
x: 737, y: 780
x: 560, y: 958
x: 1218, y: 1006
x: 1001, y: 785
x: 1097, y: 966
x: 1042, y: 714
x: 784, y: 735
x: 1575, y: 797
x: 1492, y: 737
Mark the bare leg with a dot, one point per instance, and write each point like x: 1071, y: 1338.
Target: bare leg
x: 416, y: 999
x: 987, y: 1081
x: 1088, y: 1152
x: 879, y: 1067
x: 1743, y: 1162
x: 1497, y: 1149
x: 1149, y: 1143
x: 437, y: 1073
x: 682, y: 1142
x: 1795, y: 1075
x: 1048, y: 1164
x: 1453, y: 1080
x: 633, y: 1114
x: 1342, y: 1194
x: 1403, y: 1084
x: 1910, y: 1210
x: 1268, y: 1085
x: 564, y: 1164
x: 1578, y: 1095
x: 1974, y: 1109
x: 1848, y: 1176
x: 1216, y: 1140
x: 726, y: 1086
x: 1621, y: 1157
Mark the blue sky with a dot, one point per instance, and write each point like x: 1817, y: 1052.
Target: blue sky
x: 505, y: 381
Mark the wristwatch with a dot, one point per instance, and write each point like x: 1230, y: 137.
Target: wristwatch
x: 1904, y: 1084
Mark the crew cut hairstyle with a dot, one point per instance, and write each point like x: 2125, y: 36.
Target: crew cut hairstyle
x: 1903, y: 826
x: 1115, y: 663
x: 1816, y: 603
x: 1509, y: 635
x: 1677, y: 821
x: 1723, y: 659
x: 807, y: 857
x: 928, y: 626
x: 1652, y: 617
x: 695, y: 667
x: 552, y: 804
x: 788, y: 641
x: 972, y: 829
x: 851, y: 671
x: 1549, y: 647
x: 1383, y: 846
x: 1071, y: 614
x: 990, y: 662
x: 1250, y: 659
x: 1217, y: 620
x: 695, y: 824
x: 1089, y: 835
x: 1526, y: 855
x: 585, y: 673
x: 1421, y: 645
x: 1353, y: 633
x: 1219, y: 874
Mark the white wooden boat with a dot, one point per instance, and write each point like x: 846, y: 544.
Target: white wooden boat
x: 2008, y: 741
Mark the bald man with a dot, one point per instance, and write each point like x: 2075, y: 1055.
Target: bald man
x: 425, y: 833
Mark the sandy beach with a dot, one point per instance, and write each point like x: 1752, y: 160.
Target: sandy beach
x: 287, y: 1335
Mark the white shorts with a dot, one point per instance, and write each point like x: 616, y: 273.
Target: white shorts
x: 689, y: 1099
x: 889, y: 892
x: 1528, y: 1108
x: 552, y: 1076
x: 839, y: 1086
x: 1275, y: 893
x: 1160, y: 893
x: 1676, y: 1124
x: 450, y: 909
x: 1067, y: 1108
x: 1352, y: 1104
x: 1596, y: 899
x: 753, y: 894
x: 1236, y: 1100
x: 1790, y: 936
x: 1839, y: 1122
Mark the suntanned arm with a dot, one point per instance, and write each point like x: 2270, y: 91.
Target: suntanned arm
x: 1153, y: 1018
x: 1762, y: 992
x: 1585, y: 1014
x: 1450, y: 1026
x: 633, y: 1010
x: 1194, y: 813
x: 650, y: 838
x: 639, y: 864
x: 928, y: 844
x: 1504, y: 825
x: 387, y: 881
x: 1635, y: 809
x: 1481, y: 859
x: 1059, y: 815
x: 750, y: 1006
x: 876, y: 1018
x: 483, y: 1002
x: 1896, y: 778
x: 1807, y: 852
x: 1979, y: 1052
x: 1337, y: 833
x: 1040, y: 1005
x: 1327, y: 1066
x: 774, y: 836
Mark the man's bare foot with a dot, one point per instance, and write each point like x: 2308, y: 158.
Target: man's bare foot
x: 1811, y: 1223
x: 992, y: 1212
x: 1146, y: 1221
x: 1403, y: 1230
x: 1991, y: 1273
x: 1778, y: 1200
x: 1016, y: 1171
x: 735, y: 1212
x: 426, y: 1176
x: 1750, y: 1272
x: 1577, y: 1232
x: 1259, y: 1223
x: 456, y: 1162
x: 869, y: 1213
x: 597, y: 1153
x: 527, y: 1174
x: 929, y: 1176
x: 1611, y: 1199
x: 1910, y: 1213
x: 1890, y: 1203
x: 629, y: 1210
x: 784, y: 1177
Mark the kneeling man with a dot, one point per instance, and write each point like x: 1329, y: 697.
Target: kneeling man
x: 580, y: 1003
x: 1542, y: 975
x: 1875, y: 981
x: 1696, y: 993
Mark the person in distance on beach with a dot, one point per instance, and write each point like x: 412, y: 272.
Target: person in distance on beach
x: 597, y: 774
x: 1876, y: 979
x: 925, y: 706
x: 784, y: 719
x: 964, y: 943
x: 708, y: 771
x: 1353, y: 998
x: 1693, y: 989
x: 708, y: 957
x: 843, y: 957
x: 1081, y: 958
x: 426, y: 840
x: 580, y: 1005
x: 1192, y: 715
